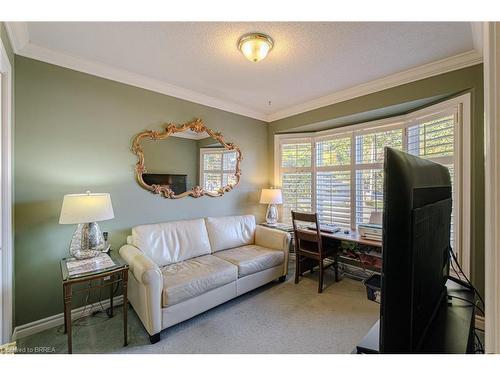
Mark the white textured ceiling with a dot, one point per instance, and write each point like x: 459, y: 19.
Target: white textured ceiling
x: 309, y: 60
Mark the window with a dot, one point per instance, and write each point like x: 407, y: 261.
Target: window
x: 296, y: 167
x: 339, y: 173
x: 217, y: 168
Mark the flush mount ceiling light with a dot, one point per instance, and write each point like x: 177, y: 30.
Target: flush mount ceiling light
x: 255, y: 46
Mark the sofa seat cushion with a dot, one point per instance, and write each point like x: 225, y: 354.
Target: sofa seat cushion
x: 195, y: 276
x: 252, y: 258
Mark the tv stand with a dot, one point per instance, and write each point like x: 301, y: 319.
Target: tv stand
x: 451, y: 331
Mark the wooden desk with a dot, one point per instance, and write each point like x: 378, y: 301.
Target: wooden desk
x: 353, y: 236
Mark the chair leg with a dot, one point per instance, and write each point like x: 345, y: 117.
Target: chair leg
x: 336, y: 267
x: 297, y: 267
x: 320, y: 281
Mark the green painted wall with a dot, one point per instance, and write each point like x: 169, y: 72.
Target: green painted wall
x: 73, y: 133
x: 448, y: 84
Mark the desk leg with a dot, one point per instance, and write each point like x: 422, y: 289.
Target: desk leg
x: 336, y: 267
x: 67, y: 314
x: 111, y: 297
x: 125, y: 307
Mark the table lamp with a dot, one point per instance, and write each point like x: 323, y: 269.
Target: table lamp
x: 272, y: 197
x: 85, y: 210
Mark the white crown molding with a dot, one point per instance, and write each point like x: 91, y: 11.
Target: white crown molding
x: 18, y: 33
x: 31, y: 328
x: 449, y: 64
x: 477, y: 36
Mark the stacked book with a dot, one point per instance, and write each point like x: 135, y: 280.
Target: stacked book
x: 370, y: 231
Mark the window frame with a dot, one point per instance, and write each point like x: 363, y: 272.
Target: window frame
x: 459, y: 106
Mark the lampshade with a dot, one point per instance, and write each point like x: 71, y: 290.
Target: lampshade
x: 86, y: 208
x: 271, y: 196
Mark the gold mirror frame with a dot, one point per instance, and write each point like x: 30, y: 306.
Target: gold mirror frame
x: 197, y: 191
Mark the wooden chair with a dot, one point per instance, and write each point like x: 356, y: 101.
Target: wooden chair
x: 311, y: 248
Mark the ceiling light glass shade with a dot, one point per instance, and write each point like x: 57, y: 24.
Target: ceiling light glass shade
x: 255, y: 46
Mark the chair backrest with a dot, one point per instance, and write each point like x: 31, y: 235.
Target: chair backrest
x: 306, y: 240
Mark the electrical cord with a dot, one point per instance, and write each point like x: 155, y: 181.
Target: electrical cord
x: 455, y: 271
x: 78, y: 322
x: 466, y: 278
x: 481, y: 347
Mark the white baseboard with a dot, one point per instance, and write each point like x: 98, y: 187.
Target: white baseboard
x: 31, y: 328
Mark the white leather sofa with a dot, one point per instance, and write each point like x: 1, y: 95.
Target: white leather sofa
x: 183, y: 268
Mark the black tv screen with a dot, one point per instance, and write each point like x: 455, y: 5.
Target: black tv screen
x: 176, y: 182
x: 416, y: 243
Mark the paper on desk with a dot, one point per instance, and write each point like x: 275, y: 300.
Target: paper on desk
x: 78, y: 266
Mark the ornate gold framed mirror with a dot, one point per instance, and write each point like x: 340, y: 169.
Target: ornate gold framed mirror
x: 186, y: 160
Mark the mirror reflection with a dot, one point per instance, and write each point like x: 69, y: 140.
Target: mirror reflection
x: 187, y: 159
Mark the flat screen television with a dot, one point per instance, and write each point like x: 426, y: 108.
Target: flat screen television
x: 416, y: 244
x: 176, y: 182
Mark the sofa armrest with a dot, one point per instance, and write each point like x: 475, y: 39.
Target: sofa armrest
x: 144, y: 269
x: 145, y: 287
x: 274, y: 239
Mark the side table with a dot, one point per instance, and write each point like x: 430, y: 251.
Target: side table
x: 109, y: 277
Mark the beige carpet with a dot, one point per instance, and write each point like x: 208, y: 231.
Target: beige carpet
x: 276, y: 318
x: 279, y: 318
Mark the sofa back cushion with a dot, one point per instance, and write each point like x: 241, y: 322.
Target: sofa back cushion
x: 168, y: 243
x: 230, y: 231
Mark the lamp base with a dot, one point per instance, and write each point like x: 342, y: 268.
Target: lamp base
x: 87, y: 241
x: 272, y: 214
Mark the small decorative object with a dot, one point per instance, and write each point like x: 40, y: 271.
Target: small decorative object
x: 85, y: 210
x: 272, y: 197
x: 255, y: 46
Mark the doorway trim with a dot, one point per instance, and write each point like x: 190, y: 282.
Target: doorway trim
x: 492, y: 184
x: 6, y: 256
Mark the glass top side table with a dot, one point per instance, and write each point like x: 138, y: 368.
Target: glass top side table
x: 110, y: 275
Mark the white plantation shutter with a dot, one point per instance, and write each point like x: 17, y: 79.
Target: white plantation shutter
x: 369, y: 170
x: 296, y: 176
x: 333, y: 197
x: 296, y: 191
x: 433, y: 138
x: 369, y: 193
x: 333, y: 180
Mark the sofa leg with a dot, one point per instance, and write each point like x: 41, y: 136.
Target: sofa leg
x: 154, y: 338
x: 282, y: 279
